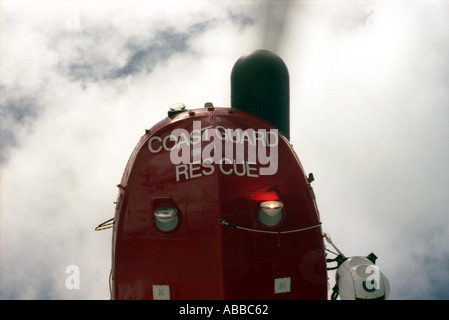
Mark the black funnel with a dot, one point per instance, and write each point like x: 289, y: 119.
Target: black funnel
x: 260, y: 85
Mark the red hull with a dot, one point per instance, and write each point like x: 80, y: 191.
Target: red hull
x: 201, y: 258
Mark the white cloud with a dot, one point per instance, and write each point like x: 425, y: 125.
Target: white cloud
x: 58, y: 181
x: 372, y: 123
x: 369, y: 118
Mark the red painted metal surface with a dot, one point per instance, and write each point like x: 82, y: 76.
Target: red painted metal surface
x: 201, y: 258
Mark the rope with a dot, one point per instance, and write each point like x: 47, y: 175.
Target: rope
x: 339, y: 259
x: 228, y: 224
x: 105, y: 225
x: 329, y: 240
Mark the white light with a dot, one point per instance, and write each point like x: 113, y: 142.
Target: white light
x: 270, y: 212
x: 166, y: 218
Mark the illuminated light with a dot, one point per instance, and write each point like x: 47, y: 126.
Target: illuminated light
x: 269, y: 195
x: 166, y: 218
x: 270, y: 212
x: 274, y: 204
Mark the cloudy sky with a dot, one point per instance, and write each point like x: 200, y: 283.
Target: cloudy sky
x: 81, y: 81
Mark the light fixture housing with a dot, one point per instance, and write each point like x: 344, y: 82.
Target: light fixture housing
x: 270, y: 212
x: 166, y: 218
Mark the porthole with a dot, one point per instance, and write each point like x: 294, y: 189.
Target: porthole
x: 270, y: 212
x: 166, y: 218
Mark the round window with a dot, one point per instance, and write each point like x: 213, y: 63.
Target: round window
x: 166, y: 218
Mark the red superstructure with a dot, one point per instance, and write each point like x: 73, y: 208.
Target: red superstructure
x: 214, y: 204
x: 218, y: 244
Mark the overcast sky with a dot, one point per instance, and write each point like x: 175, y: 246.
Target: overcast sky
x: 81, y: 81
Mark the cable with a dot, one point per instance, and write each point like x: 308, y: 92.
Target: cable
x: 328, y: 239
x: 228, y: 224
x: 105, y: 225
